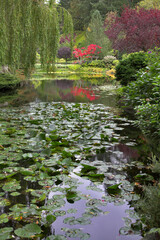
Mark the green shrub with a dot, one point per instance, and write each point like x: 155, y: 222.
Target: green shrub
x: 94, y: 63
x: 144, y: 96
x: 8, y: 81
x: 148, y: 207
x: 74, y: 67
x: 128, y: 67
x: 109, y: 59
x: 148, y: 119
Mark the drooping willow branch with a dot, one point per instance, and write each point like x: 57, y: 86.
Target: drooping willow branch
x: 28, y: 26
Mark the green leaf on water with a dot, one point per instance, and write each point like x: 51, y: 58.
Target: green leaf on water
x: 114, y: 189
x: 72, y: 210
x: 14, y: 194
x: 59, y: 213
x: 50, y: 219
x: 28, y: 231
x: 3, y: 218
x: 5, y: 233
x: 56, y: 237
x: 11, y: 185
x: 88, y: 168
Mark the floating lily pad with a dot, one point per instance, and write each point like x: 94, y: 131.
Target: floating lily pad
x: 4, y: 218
x: 59, y: 213
x: 14, y: 194
x: 114, y: 189
x: 5, y: 233
x: 72, y: 210
x: 28, y: 231
x: 56, y: 237
x: 76, y: 233
x: 11, y: 186
x: 4, y: 202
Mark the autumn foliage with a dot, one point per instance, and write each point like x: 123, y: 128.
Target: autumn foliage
x: 135, y: 30
x: 90, y: 52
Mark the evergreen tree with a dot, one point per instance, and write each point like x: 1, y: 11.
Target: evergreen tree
x: 65, y: 3
x: 95, y: 34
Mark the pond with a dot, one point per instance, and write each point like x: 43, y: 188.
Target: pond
x: 63, y: 163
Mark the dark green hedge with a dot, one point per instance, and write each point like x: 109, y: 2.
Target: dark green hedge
x: 8, y: 82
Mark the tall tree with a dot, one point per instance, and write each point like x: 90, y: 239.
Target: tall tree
x: 95, y: 34
x: 148, y: 4
x: 135, y: 30
x: 27, y: 26
x: 65, y: 3
x: 81, y: 10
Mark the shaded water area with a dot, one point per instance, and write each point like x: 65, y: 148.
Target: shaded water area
x: 64, y: 153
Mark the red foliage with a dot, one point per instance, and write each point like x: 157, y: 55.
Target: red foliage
x: 91, y: 50
x: 135, y: 30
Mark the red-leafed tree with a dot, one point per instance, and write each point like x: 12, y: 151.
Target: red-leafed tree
x: 135, y: 30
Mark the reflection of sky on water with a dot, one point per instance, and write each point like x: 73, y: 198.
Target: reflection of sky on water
x: 102, y: 227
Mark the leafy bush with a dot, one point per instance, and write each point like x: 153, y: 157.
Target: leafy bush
x: 109, y: 59
x: 8, y: 81
x: 127, y: 68
x: 94, y: 63
x: 74, y: 67
x: 144, y: 96
x: 148, y: 119
x: 149, y: 206
x: 64, y: 52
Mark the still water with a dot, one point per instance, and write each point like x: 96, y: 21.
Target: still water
x: 95, y: 91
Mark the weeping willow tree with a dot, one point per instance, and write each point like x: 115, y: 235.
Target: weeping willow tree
x: 30, y: 25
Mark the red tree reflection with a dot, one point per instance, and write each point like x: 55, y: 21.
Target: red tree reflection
x: 82, y: 92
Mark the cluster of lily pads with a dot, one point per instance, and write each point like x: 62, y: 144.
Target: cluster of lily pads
x: 44, y: 146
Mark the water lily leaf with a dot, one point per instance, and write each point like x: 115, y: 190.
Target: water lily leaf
x: 28, y: 231
x: 70, y: 220
x: 50, y: 218
x: 83, y: 220
x: 59, y: 213
x: 31, y: 178
x: 88, y: 168
x: 14, y: 194
x: 114, y: 189
x: 96, y: 177
x: 11, y: 186
x: 94, y: 188
x: 4, y: 202
x: 144, y: 177
x: 92, y: 212
x: 125, y: 230
x: 5, y: 233
x: 27, y: 172
x: 46, y: 152
x: 72, y: 210
x: 72, y: 196
x: 27, y: 155
x: 56, y: 237
x: 4, y: 218
x: 76, y: 233
x: 96, y: 202
x: 7, y: 175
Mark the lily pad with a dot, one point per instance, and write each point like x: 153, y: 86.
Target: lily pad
x: 11, y: 186
x: 28, y: 231
x: 4, y: 218
x: 56, y: 237
x: 114, y: 189
x: 5, y: 233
